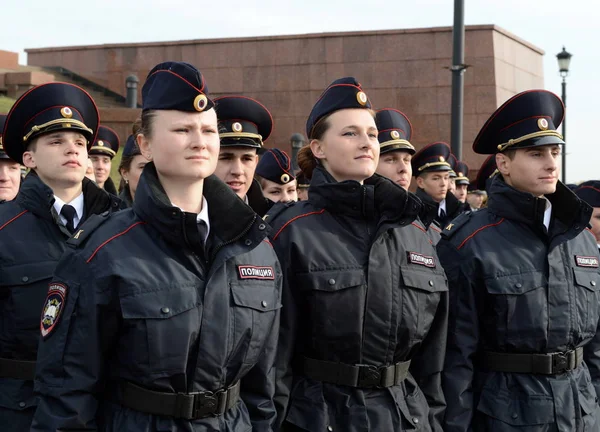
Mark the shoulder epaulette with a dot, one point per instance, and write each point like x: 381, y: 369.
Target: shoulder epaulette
x: 277, y: 209
x: 89, y: 226
x: 456, y: 224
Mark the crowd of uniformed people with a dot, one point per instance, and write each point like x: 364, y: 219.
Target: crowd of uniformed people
x: 217, y: 289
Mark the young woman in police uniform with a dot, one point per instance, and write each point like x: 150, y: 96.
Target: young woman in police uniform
x: 363, y: 327
x: 166, y: 315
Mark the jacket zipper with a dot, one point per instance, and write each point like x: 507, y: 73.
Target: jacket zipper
x: 228, y: 242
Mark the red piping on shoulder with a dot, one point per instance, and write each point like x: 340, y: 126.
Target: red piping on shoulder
x: 14, y: 219
x: 294, y: 218
x: 422, y: 229
x: 111, y: 239
x: 478, y: 230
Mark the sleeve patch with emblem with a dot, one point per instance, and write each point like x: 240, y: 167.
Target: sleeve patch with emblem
x: 53, y: 307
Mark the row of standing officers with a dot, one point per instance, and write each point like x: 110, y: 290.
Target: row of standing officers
x: 363, y: 308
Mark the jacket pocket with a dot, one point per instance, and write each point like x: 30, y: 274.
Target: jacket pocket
x: 516, y: 307
x: 255, y: 308
x: 420, y: 298
x: 335, y: 304
x: 501, y: 411
x: 23, y: 290
x: 160, y: 327
x: 587, y: 284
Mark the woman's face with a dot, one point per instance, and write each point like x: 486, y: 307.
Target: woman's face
x: 184, y: 146
x: 279, y: 193
x: 132, y: 176
x: 349, y: 149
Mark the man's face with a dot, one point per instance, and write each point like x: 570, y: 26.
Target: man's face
x: 461, y: 192
x: 236, y: 167
x: 102, y: 166
x: 534, y: 170
x: 435, y: 184
x: 59, y: 158
x: 10, y: 179
x: 396, y: 166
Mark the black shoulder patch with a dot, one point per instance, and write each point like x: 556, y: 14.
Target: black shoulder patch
x: 88, y: 227
x: 276, y: 210
x: 456, y: 224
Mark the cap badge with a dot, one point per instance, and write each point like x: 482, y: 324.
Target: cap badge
x: 200, y: 102
x: 459, y: 174
x: 361, y: 97
x: 395, y: 134
x: 101, y: 143
x: 442, y: 159
x: 542, y: 124
x: 285, y: 178
x: 237, y: 127
x: 66, y: 112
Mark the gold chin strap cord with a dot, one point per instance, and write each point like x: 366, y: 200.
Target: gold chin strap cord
x: 538, y: 134
x: 67, y: 121
x: 431, y: 164
x: 397, y: 141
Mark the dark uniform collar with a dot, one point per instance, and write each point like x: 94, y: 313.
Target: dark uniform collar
x: 256, y: 199
x: 510, y: 203
x: 230, y: 217
x: 453, y: 206
x: 125, y: 197
x: 38, y: 198
x: 377, y: 198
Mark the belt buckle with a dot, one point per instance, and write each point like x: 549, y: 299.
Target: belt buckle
x: 205, y: 404
x: 560, y: 362
x: 369, y: 376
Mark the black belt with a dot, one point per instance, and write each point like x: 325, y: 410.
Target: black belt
x: 189, y: 406
x: 17, y: 369
x: 361, y: 376
x: 544, y: 364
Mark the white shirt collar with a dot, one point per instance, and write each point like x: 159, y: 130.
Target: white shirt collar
x: 547, y: 214
x: 442, y: 206
x: 202, y: 216
x: 76, y: 203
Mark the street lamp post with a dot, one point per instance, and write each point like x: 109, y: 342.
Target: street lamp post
x: 297, y: 140
x: 564, y: 60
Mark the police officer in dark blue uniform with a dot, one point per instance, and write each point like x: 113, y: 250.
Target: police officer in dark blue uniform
x: 165, y: 314
x: 432, y: 171
x: 10, y: 171
x: 48, y: 129
x: 589, y: 191
x: 102, y: 153
x: 131, y: 167
x: 394, y: 134
x: 461, y: 181
x: 523, y: 343
x: 276, y: 178
x: 364, y: 320
x: 244, y: 125
x: 303, y: 185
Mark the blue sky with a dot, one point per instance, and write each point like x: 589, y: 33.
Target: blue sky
x: 548, y: 24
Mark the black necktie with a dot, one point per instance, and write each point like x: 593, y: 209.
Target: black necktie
x: 203, y: 230
x: 68, y: 212
x: 442, y: 214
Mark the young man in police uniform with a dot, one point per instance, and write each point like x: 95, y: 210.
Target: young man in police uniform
x: 244, y: 125
x: 395, y: 155
x: 10, y: 171
x: 102, y: 153
x: 431, y: 169
x: 523, y: 349
x: 48, y: 130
